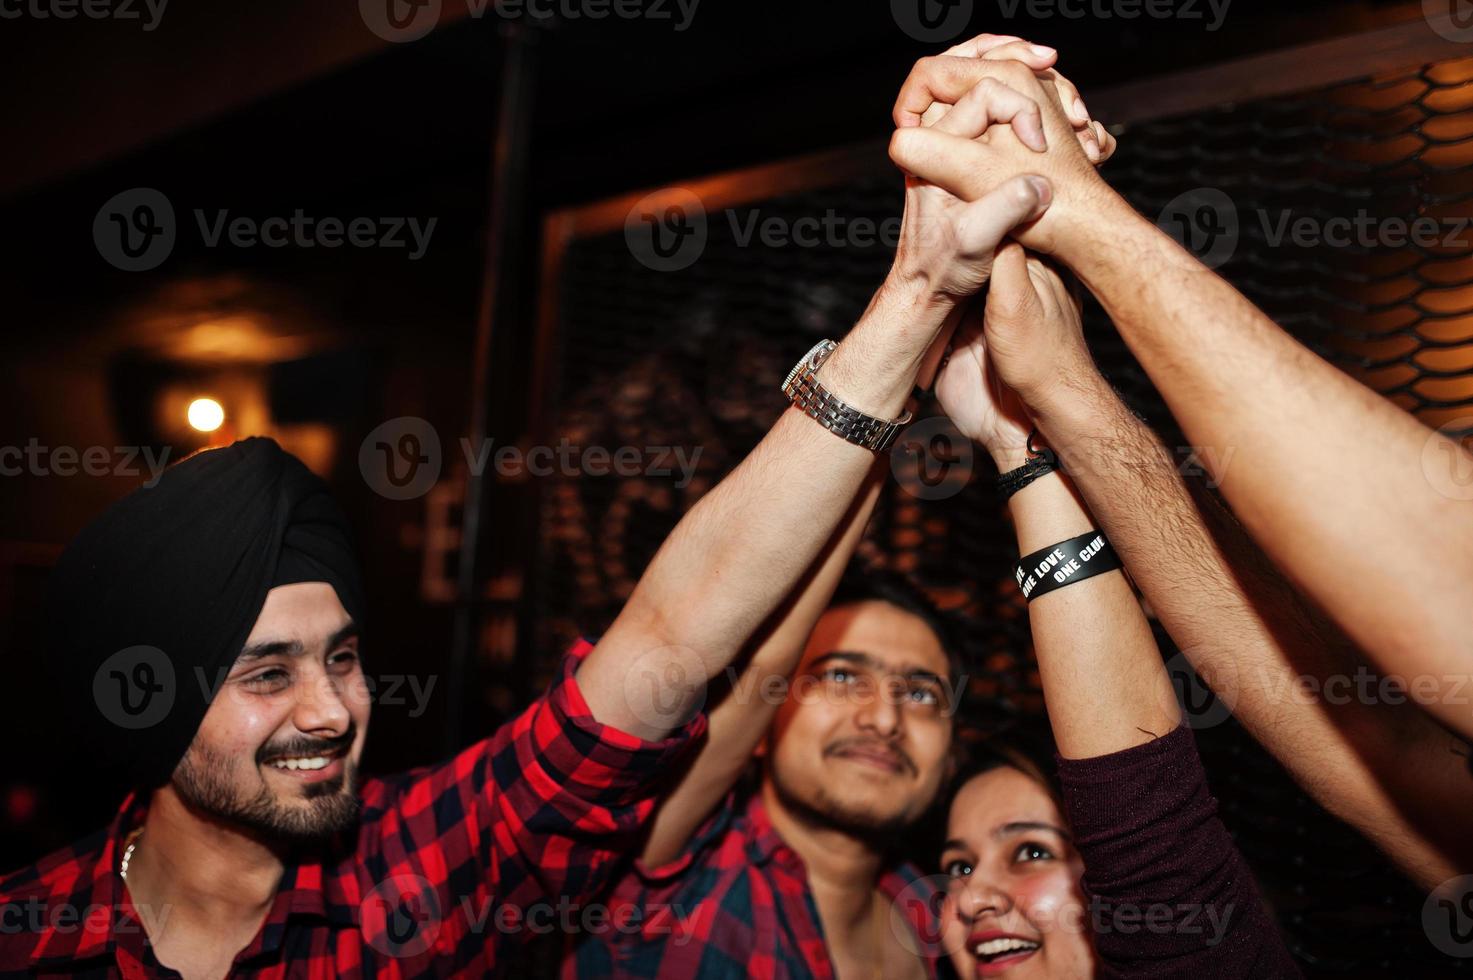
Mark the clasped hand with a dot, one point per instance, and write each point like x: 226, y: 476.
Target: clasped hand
x: 999, y: 153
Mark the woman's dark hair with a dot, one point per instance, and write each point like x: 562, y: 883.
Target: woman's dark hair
x: 1027, y: 748
x: 861, y: 584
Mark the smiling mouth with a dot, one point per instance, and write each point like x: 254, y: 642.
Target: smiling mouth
x: 299, y: 762
x: 309, y: 768
x: 887, y: 761
x: 1005, y: 951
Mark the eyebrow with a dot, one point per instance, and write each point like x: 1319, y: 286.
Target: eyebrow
x: 293, y: 648
x: 1022, y: 826
x: 871, y: 663
x: 847, y: 656
x: 1007, y: 830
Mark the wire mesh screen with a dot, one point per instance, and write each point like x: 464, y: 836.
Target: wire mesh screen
x: 1299, y: 201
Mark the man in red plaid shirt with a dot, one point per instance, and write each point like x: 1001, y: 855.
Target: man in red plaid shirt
x: 800, y: 876
x: 251, y: 847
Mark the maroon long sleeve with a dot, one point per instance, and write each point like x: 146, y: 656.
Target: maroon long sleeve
x: 1169, y: 894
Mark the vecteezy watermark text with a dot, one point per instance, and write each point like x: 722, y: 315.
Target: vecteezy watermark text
x: 34, y: 459
x: 136, y: 688
x: 401, y: 21
x: 1364, y: 230
x: 148, y: 13
x: 136, y: 230
x: 401, y: 459
x: 1211, y: 12
x: 944, y: 21
x: 402, y: 916
x: 1207, y: 222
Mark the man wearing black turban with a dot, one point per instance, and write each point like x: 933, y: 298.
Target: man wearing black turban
x: 211, y: 623
x: 209, y: 639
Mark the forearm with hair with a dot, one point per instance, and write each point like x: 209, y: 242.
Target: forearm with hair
x: 1389, y: 770
x: 1327, y: 475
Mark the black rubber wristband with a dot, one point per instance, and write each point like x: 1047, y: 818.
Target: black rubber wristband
x: 1012, y: 481
x: 1065, y: 563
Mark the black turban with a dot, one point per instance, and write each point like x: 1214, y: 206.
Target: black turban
x: 151, y: 603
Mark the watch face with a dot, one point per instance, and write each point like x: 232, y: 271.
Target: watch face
x: 821, y: 353
x: 809, y: 362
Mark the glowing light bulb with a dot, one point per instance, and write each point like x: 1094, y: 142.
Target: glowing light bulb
x: 205, y: 414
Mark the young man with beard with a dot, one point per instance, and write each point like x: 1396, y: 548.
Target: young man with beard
x: 208, y: 626
x: 207, y: 631
x: 798, y: 876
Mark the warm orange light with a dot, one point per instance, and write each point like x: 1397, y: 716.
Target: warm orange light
x: 205, y: 414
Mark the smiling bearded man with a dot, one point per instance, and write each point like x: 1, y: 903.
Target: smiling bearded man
x: 208, y: 628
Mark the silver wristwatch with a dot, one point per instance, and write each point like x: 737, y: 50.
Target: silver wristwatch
x: 804, y: 390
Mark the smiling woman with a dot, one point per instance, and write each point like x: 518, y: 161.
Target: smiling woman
x: 1008, y: 850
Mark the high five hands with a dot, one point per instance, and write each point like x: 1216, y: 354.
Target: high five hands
x: 951, y: 227
x: 1002, y: 90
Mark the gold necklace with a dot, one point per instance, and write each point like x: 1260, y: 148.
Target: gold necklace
x: 130, y: 843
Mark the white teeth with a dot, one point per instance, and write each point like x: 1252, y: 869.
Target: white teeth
x: 996, y: 947
x: 315, y: 762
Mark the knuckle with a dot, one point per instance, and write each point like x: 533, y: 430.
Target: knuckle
x: 997, y: 93
x: 983, y: 92
x: 1015, y: 73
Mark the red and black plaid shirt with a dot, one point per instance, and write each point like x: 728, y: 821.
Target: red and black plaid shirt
x: 449, y: 865
x: 735, y: 904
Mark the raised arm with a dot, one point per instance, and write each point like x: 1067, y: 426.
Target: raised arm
x: 1387, y: 769
x: 741, y: 550
x: 1332, y: 480
x: 741, y: 718
x: 1127, y: 762
x: 1103, y: 678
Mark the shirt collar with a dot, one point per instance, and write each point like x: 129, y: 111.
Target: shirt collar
x: 310, y: 886
x: 917, y: 895
x: 93, y: 919
x: 763, y: 840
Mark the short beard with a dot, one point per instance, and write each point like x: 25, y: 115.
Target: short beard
x: 202, y: 779
x: 823, y: 811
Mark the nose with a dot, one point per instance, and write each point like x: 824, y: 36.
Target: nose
x: 321, y: 708
x: 978, y: 897
x: 879, y: 710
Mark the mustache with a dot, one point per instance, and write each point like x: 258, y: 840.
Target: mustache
x: 308, y: 746
x: 859, y: 742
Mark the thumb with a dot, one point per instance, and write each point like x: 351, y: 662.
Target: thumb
x: 1011, y: 295
x: 986, y: 222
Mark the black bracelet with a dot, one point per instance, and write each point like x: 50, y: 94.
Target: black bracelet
x: 1065, y: 563
x: 1041, y: 463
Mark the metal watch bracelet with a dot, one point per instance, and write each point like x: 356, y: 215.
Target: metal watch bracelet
x: 830, y: 411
